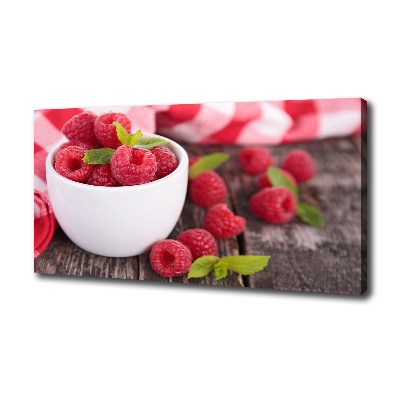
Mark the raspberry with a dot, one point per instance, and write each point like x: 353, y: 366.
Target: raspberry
x: 222, y: 222
x: 276, y: 205
x: 102, y: 176
x: 263, y: 180
x: 105, y: 130
x: 70, y: 165
x: 199, y: 242
x: 81, y: 128
x: 166, y: 161
x: 300, y: 164
x: 255, y: 160
x: 208, y: 189
x: 86, y: 146
x: 170, y: 258
x: 132, y: 166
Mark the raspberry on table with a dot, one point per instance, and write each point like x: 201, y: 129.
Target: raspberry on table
x: 86, y: 146
x: 166, y: 161
x: 255, y: 160
x: 69, y: 164
x: 263, y: 180
x: 80, y: 128
x: 102, y: 176
x: 276, y: 205
x: 199, y: 241
x: 300, y: 164
x: 208, y: 189
x: 105, y: 130
x: 170, y: 258
x: 222, y: 222
x: 133, y: 166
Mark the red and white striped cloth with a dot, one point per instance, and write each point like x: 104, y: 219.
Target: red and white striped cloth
x: 261, y: 122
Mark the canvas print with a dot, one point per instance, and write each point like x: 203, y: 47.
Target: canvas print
x: 266, y: 194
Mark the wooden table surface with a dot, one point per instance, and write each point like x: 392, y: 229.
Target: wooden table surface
x: 303, y: 258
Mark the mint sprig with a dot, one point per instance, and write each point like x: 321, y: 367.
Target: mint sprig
x: 134, y: 138
x: 276, y: 178
x: 220, y: 270
x: 306, y: 212
x: 310, y: 215
x: 126, y: 138
x: 103, y: 156
x: 245, y: 265
x: 98, y: 156
x: 150, y: 143
x: 207, y: 163
x: 202, y: 266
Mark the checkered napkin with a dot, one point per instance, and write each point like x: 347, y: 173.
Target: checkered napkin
x: 261, y: 122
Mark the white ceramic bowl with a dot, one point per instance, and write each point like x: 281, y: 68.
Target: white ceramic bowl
x: 118, y: 221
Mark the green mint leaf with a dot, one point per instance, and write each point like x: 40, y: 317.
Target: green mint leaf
x: 98, y: 156
x: 207, y: 163
x: 310, y: 215
x: 246, y: 265
x: 276, y: 178
x: 202, y: 266
x: 125, y: 137
x: 122, y: 134
x: 150, y: 143
x: 134, y: 137
x: 220, y: 270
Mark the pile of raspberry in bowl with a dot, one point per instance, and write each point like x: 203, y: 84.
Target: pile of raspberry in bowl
x: 102, y: 151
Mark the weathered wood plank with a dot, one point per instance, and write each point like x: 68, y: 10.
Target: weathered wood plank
x: 303, y: 257
x: 65, y: 258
